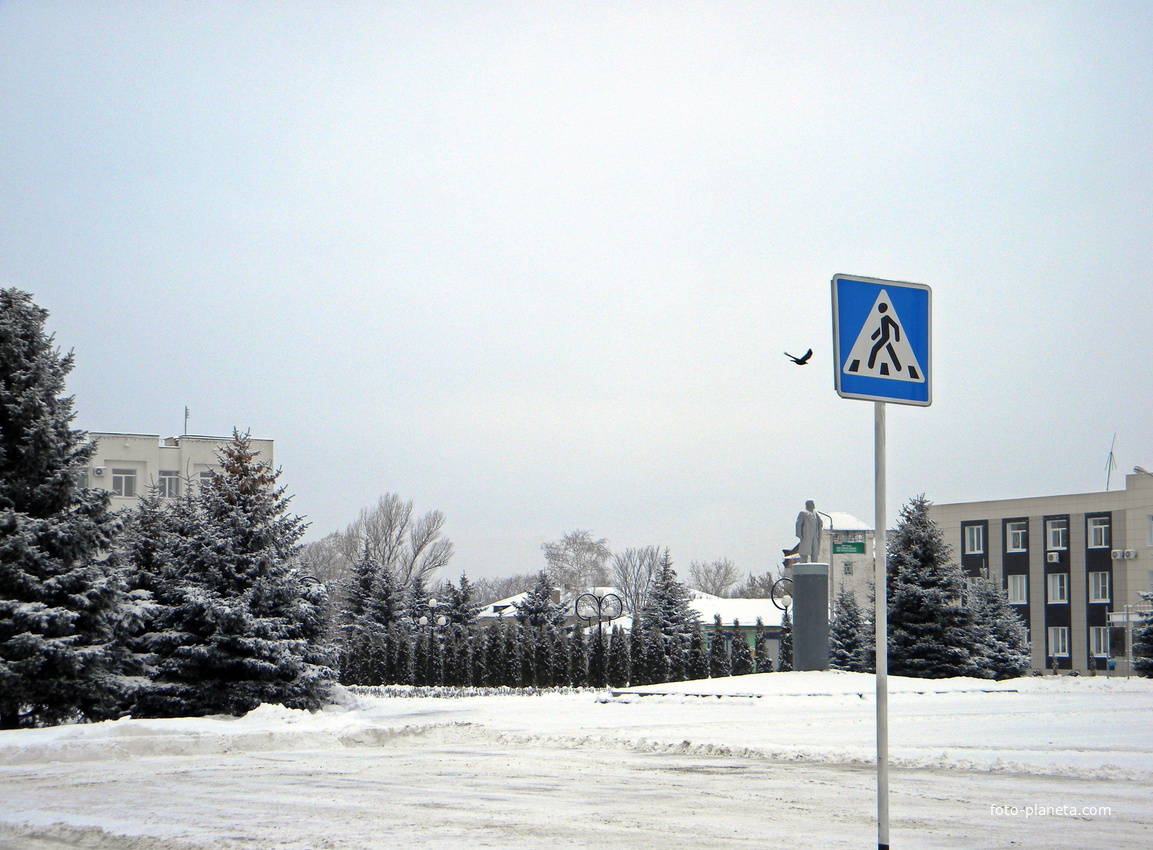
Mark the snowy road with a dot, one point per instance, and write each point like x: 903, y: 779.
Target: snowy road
x: 583, y: 770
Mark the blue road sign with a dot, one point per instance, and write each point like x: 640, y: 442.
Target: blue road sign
x: 883, y: 340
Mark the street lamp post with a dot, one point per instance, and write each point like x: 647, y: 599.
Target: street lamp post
x: 591, y: 607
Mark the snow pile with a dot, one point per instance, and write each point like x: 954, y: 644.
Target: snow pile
x: 461, y: 772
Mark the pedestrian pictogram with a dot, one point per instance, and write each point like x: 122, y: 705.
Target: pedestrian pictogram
x: 888, y: 325
x: 882, y: 348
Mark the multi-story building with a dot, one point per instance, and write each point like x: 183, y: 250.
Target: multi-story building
x: 127, y: 465
x: 1073, y: 566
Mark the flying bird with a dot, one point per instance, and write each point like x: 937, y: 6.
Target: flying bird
x: 803, y: 359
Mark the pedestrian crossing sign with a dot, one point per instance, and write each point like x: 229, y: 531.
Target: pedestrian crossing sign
x: 882, y: 340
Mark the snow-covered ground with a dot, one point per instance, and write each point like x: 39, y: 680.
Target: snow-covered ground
x: 783, y: 759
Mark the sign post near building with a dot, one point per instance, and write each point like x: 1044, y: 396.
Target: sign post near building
x: 882, y: 352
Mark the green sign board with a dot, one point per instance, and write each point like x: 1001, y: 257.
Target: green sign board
x: 849, y: 548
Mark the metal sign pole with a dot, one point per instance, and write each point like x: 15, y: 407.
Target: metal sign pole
x: 883, y: 352
x: 881, y: 622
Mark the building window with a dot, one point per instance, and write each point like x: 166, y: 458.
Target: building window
x: 205, y: 479
x: 82, y: 479
x: 1099, y: 587
x: 847, y: 567
x: 1058, y: 587
x: 124, y: 482
x: 1057, y: 533
x: 1017, y: 589
x: 1099, y: 643
x: 1017, y: 536
x: 974, y: 539
x: 1098, y: 532
x: 1059, y: 641
x: 168, y: 483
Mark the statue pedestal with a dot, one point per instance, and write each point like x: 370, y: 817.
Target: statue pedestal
x: 810, y: 616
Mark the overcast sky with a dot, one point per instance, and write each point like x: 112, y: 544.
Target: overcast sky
x: 535, y: 265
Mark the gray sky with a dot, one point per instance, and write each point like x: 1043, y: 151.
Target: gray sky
x: 535, y: 264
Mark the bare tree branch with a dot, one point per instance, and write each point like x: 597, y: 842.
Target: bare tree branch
x: 714, y: 577
x: 633, y: 572
x: 578, y: 561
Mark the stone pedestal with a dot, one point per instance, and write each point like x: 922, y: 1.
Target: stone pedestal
x: 810, y: 616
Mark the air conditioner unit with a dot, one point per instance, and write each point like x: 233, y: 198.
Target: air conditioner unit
x: 1053, y: 557
x: 1130, y: 554
x: 1116, y: 554
x: 98, y: 471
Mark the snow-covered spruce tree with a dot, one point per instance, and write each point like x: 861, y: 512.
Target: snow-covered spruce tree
x: 399, y: 670
x: 462, y: 609
x: 1002, y: 648
x: 538, y: 609
x: 58, y: 602
x: 619, y: 665
x: 582, y: 659
x: 785, y: 656
x: 698, y: 661
x: 654, y: 663
x: 666, y: 620
x: 931, y: 635
x: 678, y: 658
x: 762, y: 654
x: 719, y: 663
x: 492, y: 647
x: 848, y: 643
x: 742, y: 653
x: 451, y: 673
x: 365, y: 621
x: 544, y: 664
x: 233, y: 625
x: 1143, y: 640
x: 636, y: 652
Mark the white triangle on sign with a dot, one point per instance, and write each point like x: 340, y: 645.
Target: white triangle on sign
x: 882, y: 349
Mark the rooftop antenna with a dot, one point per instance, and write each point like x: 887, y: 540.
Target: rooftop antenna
x: 1110, y: 464
x: 186, y: 424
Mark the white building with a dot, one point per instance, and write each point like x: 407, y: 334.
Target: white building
x: 127, y: 465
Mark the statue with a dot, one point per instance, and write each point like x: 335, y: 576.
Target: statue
x: 809, y: 525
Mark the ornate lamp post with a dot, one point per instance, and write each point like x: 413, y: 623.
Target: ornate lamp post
x: 605, y: 608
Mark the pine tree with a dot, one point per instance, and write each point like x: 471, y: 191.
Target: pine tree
x: 698, y: 663
x: 1001, y: 650
x: 719, y: 663
x: 619, y: 664
x: 848, y: 644
x: 233, y: 624
x: 742, y: 653
x: 59, y: 604
x: 930, y: 634
x: 785, y: 653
